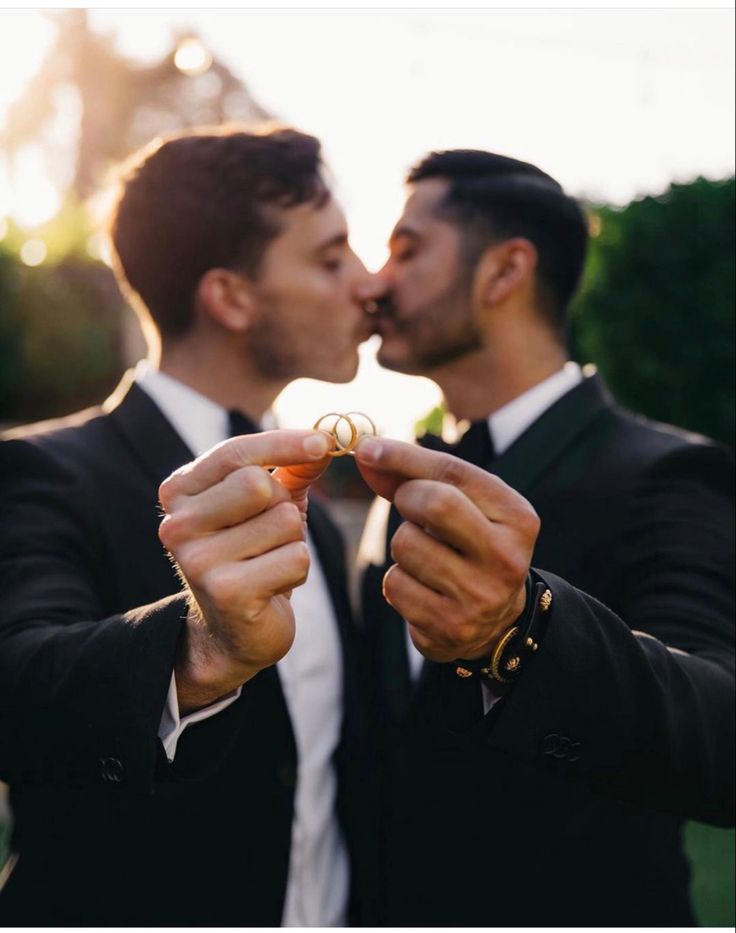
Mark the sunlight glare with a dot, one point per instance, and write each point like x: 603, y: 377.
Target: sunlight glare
x: 192, y: 57
x: 33, y: 252
x: 393, y: 401
x: 24, y: 40
x: 33, y: 198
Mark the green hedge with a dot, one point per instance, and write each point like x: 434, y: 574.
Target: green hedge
x: 656, y: 309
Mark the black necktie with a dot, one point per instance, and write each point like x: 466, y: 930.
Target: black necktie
x: 240, y: 423
x: 475, y: 446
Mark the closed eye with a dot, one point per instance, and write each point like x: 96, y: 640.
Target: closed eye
x: 333, y: 264
x: 403, y: 246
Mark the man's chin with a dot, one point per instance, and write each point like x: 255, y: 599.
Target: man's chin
x: 344, y: 372
x: 395, y: 362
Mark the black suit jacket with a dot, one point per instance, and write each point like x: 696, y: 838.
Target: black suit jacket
x: 563, y: 806
x: 106, y: 830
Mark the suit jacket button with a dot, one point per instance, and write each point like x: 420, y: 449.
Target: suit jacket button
x: 287, y: 776
x: 563, y: 747
x: 112, y: 770
x: 550, y: 743
x: 574, y: 751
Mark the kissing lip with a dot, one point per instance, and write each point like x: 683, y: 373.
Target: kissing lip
x: 365, y: 330
x: 383, y: 323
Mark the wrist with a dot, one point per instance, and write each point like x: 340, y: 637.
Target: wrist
x: 510, y: 651
x: 203, y: 670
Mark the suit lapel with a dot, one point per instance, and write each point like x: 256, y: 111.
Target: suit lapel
x: 152, y: 440
x: 551, y: 435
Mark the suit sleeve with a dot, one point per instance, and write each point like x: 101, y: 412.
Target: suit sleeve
x: 639, y: 704
x: 81, y: 692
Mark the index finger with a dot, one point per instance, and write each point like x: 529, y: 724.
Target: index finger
x: 269, y: 448
x: 298, y: 477
x: 385, y: 464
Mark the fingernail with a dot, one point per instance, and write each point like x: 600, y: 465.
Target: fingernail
x: 368, y: 450
x: 315, y: 446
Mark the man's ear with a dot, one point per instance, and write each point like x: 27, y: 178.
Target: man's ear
x: 503, y: 269
x: 227, y: 298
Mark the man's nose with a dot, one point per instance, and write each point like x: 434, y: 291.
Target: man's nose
x: 386, y: 274
x: 370, y: 288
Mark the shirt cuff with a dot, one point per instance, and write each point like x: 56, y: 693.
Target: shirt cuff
x: 172, y: 725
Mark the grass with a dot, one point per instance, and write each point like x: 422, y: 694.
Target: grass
x: 711, y: 853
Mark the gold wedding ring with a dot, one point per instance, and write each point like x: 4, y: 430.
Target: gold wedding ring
x: 334, y: 430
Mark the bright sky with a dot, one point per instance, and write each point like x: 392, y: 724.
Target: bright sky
x: 613, y: 103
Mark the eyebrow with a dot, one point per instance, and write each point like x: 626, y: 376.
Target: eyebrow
x: 338, y: 239
x: 403, y: 230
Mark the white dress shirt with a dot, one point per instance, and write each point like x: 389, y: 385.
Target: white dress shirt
x: 311, y: 678
x: 505, y: 426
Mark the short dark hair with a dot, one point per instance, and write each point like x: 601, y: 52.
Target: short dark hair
x: 205, y: 199
x: 493, y: 197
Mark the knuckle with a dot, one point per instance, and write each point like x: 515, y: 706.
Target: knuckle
x: 439, y: 502
x: 401, y: 539
x: 195, y: 561
x: 515, y: 566
x: 534, y: 522
x: 290, y: 519
x: 168, y: 490
x: 301, y: 557
x: 527, y: 518
x: 451, y: 470
x: 254, y: 481
x: 173, y: 529
x: 390, y: 584
x: 165, y: 535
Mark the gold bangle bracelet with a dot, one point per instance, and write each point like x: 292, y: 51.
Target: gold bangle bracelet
x: 493, y: 669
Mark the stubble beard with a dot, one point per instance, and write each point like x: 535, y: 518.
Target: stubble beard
x: 271, y: 354
x: 438, y: 333
x: 278, y: 356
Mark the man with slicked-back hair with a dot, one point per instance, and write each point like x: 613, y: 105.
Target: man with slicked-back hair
x: 539, y: 769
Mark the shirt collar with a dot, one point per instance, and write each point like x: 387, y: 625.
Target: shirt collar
x: 510, y: 421
x: 200, y: 422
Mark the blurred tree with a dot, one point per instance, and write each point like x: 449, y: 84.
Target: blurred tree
x: 656, y: 308
x: 431, y: 423
x: 121, y: 105
x: 63, y: 323
x: 61, y: 331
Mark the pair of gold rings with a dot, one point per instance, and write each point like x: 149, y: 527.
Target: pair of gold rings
x: 338, y: 426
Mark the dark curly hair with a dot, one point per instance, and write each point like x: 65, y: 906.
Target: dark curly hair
x: 206, y: 199
x: 493, y: 197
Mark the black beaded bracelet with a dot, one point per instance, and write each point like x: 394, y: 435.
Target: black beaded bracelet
x: 518, y: 642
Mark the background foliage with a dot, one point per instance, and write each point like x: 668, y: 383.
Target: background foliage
x: 61, y: 329
x: 656, y: 308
